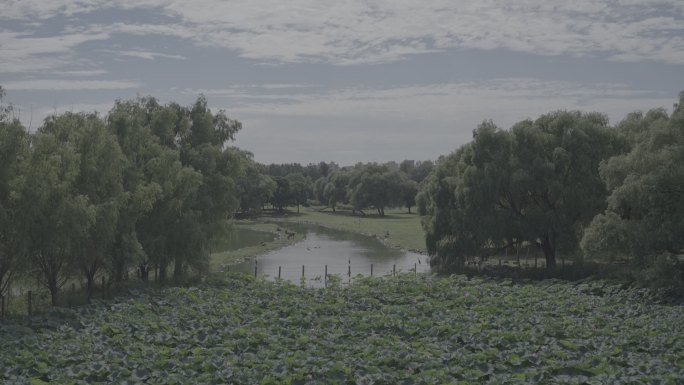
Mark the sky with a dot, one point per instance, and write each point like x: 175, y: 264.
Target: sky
x: 348, y: 80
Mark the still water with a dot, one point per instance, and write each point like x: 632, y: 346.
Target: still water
x: 339, y: 250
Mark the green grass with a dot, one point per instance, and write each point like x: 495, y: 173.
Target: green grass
x: 403, y: 330
x: 219, y: 261
x: 404, y: 229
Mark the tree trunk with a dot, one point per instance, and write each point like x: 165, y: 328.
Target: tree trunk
x: 549, y: 252
x: 53, y: 292
x: 118, y: 272
x: 178, y: 268
x: 162, y: 273
x: 90, y: 272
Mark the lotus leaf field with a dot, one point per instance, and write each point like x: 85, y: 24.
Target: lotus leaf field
x: 394, y: 330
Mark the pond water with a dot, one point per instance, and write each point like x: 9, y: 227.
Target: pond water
x: 240, y: 237
x: 339, y: 250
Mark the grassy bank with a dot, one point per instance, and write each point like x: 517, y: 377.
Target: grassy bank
x: 403, y: 330
x: 397, y: 227
x: 219, y: 260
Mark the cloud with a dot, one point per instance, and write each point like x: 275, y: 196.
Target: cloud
x: 81, y: 73
x: 21, y: 52
x: 147, y: 55
x: 505, y: 100
x: 369, y: 32
x: 68, y: 85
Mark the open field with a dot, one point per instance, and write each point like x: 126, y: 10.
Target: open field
x: 397, y: 227
x: 403, y: 330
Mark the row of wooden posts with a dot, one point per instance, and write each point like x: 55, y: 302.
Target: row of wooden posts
x: 29, y: 298
x: 325, y: 275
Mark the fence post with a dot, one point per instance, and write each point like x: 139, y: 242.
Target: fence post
x: 394, y: 270
x: 302, y: 271
x: 371, y: 269
x: 349, y: 271
x: 256, y: 263
x: 30, y: 304
x: 415, y: 268
x: 278, y: 272
x: 325, y: 277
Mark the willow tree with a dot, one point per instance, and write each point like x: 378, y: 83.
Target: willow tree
x: 537, y: 183
x: 14, y: 158
x: 644, y: 220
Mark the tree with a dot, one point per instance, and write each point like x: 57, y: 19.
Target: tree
x: 60, y: 218
x: 336, y: 190
x: 99, y: 179
x: 299, y: 188
x: 282, y: 196
x: 14, y: 157
x: 409, y: 190
x: 255, y: 188
x: 644, y: 219
x: 374, y: 186
x: 537, y: 183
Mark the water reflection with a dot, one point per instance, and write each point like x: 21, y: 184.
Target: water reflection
x: 341, y: 251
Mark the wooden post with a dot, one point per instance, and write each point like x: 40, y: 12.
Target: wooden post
x: 325, y: 277
x: 394, y: 270
x: 415, y: 268
x: 256, y: 263
x: 103, y: 287
x: 371, y: 269
x: 302, y: 271
x: 278, y: 272
x: 349, y: 272
x: 30, y: 304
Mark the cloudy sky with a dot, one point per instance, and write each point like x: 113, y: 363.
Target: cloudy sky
x: 349, y: 80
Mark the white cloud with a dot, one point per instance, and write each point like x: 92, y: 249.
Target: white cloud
x: 25, y: 53
x: 360, y: 31
x: 147, y: 55
x: 504, y: 100
x: 80, y: 73
x: 68, y: 85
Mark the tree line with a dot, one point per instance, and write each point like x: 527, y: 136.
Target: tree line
x: 144, y: 189
x: 361, y: 187
x: 567, y: 183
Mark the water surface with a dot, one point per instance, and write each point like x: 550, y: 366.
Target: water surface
x: 339, y: 250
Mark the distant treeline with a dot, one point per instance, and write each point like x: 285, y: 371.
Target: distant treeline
x: 362, y: 186
x: 570, y: 184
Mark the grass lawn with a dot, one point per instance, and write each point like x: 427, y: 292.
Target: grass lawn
x: 404, y: 229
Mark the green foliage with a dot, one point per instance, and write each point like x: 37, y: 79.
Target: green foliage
x: 537, y: 182
x: 403, y: 330
x: 14, y: 153
x: 644, y: 220
x: 255, y: 188
x: 375, y: 186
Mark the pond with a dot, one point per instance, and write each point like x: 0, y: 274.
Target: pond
x: 339, y: 250
x: 240, y: 237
